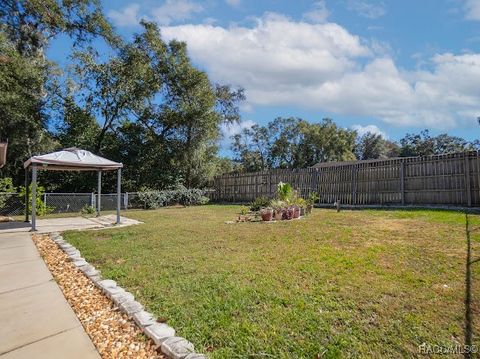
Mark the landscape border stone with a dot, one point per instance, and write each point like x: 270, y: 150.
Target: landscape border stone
x: 161, y: 334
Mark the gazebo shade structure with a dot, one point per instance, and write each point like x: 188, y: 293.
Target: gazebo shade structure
x: 71, y: 159
x: 3, y: 153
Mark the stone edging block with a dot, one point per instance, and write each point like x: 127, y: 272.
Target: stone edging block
x: 177, y: 347
x: 162, y: 334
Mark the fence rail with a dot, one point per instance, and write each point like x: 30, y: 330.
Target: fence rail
x: 447, y: 180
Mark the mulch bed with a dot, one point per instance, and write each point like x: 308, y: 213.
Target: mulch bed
x: 112, y: 332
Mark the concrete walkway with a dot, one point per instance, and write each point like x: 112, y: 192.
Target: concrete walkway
x: 66, y: 224
x: 36, y: 320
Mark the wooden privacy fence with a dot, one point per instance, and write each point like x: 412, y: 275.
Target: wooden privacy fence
x: 448, y: 180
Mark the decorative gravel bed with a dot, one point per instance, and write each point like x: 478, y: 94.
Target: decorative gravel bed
x: 112, y: 332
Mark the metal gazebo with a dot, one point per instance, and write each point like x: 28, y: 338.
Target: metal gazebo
x: 70, y: 159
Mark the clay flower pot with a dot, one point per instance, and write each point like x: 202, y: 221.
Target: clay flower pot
x: 267, y: 214
x: 296, y: 212
x: 289, y: 213
x: 278, y: 215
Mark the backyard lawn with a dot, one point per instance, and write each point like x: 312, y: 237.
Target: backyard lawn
x: 349, y: 284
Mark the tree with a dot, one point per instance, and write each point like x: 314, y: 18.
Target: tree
x: 286, y: 136
x: 185, y: 110
x: 370, y: 146
x: 252, y: 148
x: 151, y: 90
x: 292, y: 143
x: 31, y: 24
x: 25, y: 75
x: 109, y: 90
x: 22, y: 117
x: 450, y: 144
x: 325, y: 142
x: 392, y: 149
x: 78, y: 127
x: 423, y: 144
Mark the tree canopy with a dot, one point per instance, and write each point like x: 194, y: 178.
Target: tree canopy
x: 296, y: 143
x: 144, y: 103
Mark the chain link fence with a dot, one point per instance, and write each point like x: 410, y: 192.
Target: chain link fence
x: 11, y: 204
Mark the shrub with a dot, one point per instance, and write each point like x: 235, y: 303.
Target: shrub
x: 152, y: 199
x: 6, y: 187
x: 313, y: 198
x: 259, y: 203
x: 88, y: 209
x: 41, y: 207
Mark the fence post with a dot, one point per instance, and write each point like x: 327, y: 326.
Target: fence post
x: 270, y: 192
x: 354, y: 184
x: 402, y: 181
x: 467, y: 180
x: 125, y: 200
x: 234, y: 187
x: 315, y: 181
x: 92, y: 199
x: 45, y: 199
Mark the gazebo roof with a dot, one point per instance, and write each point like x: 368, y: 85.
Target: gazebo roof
x: 74, y: 159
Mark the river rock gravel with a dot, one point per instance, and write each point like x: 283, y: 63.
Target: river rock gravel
x: 112, y: 332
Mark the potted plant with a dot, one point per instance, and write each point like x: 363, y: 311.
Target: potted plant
x: 302, y: 204
x: 267, y: 214
x: 296, y: 211
x: 312, y: 199
x: 259, y: 203
x: 242, y: 217
x: 289, y: 212
x: 278, y: 209
x: 285, y: 192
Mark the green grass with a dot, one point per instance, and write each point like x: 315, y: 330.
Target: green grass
x: 348, y: 284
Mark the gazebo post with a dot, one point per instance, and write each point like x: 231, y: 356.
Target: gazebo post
x: 119, y: 193
x: 99, y: 200
x: 27, y: 194
x: 34, y: 198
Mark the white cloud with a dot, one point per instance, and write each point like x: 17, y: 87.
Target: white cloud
x: 233, y: 3
x: 319, y: 13
x: 362, y: 130
x: 367, y: 8
x: 126, y: 17
x: 472, y: 9
x: 326, y: 68
x: 229, y: 130
x: 175, y: 10
x: 274, y: 55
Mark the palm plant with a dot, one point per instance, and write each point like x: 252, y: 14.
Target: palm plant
x: 285, y: 192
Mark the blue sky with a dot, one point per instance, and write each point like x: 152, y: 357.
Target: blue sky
x: 385, y: 66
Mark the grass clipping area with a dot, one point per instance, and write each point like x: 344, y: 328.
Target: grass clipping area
x: 349, y: 284
x: 114, y: 335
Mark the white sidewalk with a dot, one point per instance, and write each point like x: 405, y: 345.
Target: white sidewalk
x: 66, y: 224
x: 36, y: 320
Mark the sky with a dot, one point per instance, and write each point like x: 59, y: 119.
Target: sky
x: 389, y: 67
